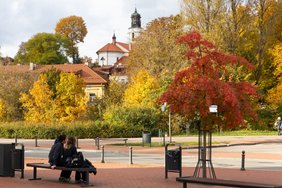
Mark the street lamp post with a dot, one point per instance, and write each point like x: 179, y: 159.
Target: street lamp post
x: 169, y: 120
x: 279, y: 125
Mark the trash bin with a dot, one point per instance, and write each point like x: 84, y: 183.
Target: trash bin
x: 6, y: 160
x: 146, y: 138
x: 173, y: 160
x: 18, y: 159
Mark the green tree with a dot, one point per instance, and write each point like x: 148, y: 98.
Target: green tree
x: 74, y: 28
x: 53, y: 78
x: 44, y: 48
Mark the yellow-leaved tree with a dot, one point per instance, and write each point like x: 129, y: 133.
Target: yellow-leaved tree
x: 275, y: 94
x: 38, y: 102
x: 3, y: 111
x: 71, y: 99
x: 65, y: 103
x: 142, y: 91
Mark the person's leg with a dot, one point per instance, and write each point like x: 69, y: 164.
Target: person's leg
x: 83, y: 176
x: 65, y: 176
x: 77, y: 176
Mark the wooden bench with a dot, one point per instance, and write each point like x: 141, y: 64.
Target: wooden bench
x: 220, y: 182
x: 98, y: 140
x: 47, y: 166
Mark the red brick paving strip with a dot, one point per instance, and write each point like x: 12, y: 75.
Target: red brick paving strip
x: 112, y: 175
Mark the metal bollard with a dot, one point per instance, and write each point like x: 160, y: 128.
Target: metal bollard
x: 243, y: 161
x: 36, y: 142
x: 16, y: 140
x: 102, y: 155
x: 130, y: 155
x: 77, y: 142
x: 97, y: 142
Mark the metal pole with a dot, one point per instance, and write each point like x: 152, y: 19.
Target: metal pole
x: 98, y: 143
x: 243, y: 161
x: 22, y: 163
x: 164, y: 140
x: 204, y: 155
x: 16, y: 140
x: 36, y: 142
x: 102, y: 155
x: 169, y: 125
x: 130, y: 155
x: 77, y: 142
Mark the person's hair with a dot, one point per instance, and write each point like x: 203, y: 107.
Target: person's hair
x: 62, y: 137
x: 70, y: 142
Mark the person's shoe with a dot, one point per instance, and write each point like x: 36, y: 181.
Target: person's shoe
x: 78, y: 181
x: 67, y: 180
x: 62, y: 179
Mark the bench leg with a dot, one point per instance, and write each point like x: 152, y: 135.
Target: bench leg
x: 184, y: 184
x: 35, y: 174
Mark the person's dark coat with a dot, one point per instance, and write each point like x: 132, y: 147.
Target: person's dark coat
x: 69, y: 153
x: 56, y: 154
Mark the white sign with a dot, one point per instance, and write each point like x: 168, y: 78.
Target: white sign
x: 213, y: 108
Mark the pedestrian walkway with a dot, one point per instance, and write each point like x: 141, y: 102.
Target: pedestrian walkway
x: 120, y: 175
x: 112, y: 175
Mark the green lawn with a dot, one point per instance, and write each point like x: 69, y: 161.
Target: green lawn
x: 239, y: 133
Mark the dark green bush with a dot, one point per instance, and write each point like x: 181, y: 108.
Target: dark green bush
x: 88, y: 129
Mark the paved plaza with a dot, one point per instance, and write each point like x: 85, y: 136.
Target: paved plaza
x: 263, y: 163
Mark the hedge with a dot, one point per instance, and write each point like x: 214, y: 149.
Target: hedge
x: 88, y: 129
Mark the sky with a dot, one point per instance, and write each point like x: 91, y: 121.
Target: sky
x: 21, y: 19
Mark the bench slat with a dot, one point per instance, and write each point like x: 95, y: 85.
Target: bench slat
x: 47, y: 166
x: 220, y: 182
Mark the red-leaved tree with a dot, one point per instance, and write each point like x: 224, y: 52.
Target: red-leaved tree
x: 202, y: 84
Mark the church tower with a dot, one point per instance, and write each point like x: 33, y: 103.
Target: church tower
x: 135, y: 29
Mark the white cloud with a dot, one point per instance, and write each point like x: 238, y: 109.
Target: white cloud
x: 21, y: 19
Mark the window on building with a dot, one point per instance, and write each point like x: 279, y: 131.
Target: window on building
x: 132, y: 35
x: 92, y: 97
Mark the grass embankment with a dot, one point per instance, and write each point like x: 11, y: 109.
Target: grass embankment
x: 225, y: 133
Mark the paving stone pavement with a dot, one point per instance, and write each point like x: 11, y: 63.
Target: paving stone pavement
x: 117, y: 175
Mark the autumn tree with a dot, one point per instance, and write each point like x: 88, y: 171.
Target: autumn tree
x: 164, y: 56
x: 3, y: 111
x: 70, y: 99
x: 208, y: 82
x: 204, y: 16
x: 14, y: 82
x: 142, y: 90
x: 64, y: 103
x: 44, y: 48
x: 275, y: 94
x: 38, y: 103
x: 74, y: 28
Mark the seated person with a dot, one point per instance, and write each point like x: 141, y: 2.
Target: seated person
x: 56, y: 154
x: 69, y: 151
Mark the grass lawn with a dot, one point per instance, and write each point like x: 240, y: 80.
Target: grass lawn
x: 239, y: 133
